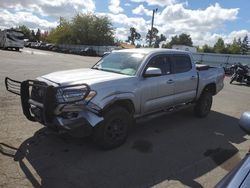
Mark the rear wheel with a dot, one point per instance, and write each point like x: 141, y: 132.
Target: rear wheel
x: 204, y: 104
x: 113, y: 131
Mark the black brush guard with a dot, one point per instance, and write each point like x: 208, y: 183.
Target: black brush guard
x: 46, y: 103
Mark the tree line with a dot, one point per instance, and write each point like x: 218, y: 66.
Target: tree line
x: 90, y: 29
x: 85, y: 29
x: 238, y: 46
x: 31, y: 35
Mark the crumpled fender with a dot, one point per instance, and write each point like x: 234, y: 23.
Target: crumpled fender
x: 92, y: 118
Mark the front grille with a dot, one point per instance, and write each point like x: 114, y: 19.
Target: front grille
x: 38, y: 94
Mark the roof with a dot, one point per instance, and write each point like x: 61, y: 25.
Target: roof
x: 152, y: 50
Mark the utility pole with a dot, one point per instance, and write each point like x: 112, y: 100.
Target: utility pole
x: 60, y: 21
x: 152, y: 25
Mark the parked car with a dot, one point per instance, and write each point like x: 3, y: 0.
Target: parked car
x: 27, y: 44
x: 33, y: 44
x: 88, y: 52
x: 37, y: 45
x: 43, y: 46
x: 103, y: 101
x: 240, y: 175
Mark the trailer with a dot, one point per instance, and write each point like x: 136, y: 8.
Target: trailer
x: 11, y: 39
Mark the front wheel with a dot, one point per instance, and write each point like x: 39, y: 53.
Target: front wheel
x: 113, y: 131
x: 204, y: 104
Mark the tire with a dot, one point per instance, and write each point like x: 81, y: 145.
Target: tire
x: 233, y: 78
x: 204, y: 104
x: 248, y: 81
x: 113, y: 130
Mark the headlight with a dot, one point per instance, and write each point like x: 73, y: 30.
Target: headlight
x: 74, y: 94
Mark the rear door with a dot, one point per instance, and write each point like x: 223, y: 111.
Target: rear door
x: 157, y: 92
x: 185, y: 78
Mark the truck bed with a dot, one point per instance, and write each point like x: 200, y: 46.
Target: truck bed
x: 207, y: 75
x: 201, y: 67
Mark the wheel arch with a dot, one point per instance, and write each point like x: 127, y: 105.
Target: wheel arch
x: 125, y: 103
x: 211, y: 87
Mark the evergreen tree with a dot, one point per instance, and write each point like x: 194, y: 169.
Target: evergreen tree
x: 158, y: 40
x: 33, y: 36
x: 219, y: 46
x: 244, y: 46
x: 38, y: 35
x: 234, y: 48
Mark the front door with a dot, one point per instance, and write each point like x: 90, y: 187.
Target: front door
x: 157, y: 92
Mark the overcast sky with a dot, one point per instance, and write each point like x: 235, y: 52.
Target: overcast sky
x: 204, y: 20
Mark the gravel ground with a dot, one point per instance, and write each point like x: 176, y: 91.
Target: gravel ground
x: 174, y: 150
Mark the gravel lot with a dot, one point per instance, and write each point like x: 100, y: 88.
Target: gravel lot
x: 174, y: 150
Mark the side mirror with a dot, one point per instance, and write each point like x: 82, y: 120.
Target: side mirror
x: 245, y: 122
x: 152, y: 72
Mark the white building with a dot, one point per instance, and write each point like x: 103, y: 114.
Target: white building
x: 185, y: 48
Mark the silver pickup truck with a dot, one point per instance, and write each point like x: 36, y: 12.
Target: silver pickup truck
x: 104, y: 101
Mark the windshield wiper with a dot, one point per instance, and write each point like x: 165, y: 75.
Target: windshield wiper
x: 107, y: 70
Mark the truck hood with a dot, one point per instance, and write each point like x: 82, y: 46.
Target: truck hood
x: 78, y: 76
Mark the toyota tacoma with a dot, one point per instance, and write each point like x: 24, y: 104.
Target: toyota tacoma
x: 103, y: 101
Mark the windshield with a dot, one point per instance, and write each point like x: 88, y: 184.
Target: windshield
x: 121, y: 62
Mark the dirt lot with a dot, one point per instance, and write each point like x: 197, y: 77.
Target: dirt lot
x: 174, y: 150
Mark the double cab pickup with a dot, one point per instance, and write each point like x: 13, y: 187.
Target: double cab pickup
x: 103, y: 101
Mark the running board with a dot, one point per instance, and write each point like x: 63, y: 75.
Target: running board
x: 164, y: 111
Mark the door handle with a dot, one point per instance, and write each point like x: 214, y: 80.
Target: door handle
x: 193, y: 77
x: 170, y: 81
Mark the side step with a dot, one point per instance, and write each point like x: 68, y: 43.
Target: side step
x: 164, y: 111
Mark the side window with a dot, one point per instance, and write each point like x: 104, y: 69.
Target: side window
x: 181, y: 63
x: 161, y: 62
x: 168, y: 65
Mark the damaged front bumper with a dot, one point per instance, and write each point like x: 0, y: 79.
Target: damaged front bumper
x: 46, y: 104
